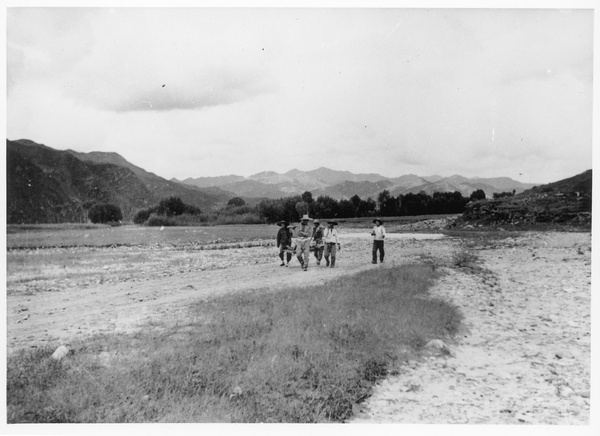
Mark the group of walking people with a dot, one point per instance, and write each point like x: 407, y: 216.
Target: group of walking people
x: 320, y: 240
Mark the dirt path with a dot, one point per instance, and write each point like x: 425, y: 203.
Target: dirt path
x: 59, y: 311
x: 526, y: 356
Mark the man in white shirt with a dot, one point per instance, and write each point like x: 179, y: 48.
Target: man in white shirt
x: 303, y: 238
x: 378, y: 234
x: 332, y: 244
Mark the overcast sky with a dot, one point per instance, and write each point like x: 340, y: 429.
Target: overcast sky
x: 205, y: 92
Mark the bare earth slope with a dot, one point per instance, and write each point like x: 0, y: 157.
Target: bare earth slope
x: 524, y: 358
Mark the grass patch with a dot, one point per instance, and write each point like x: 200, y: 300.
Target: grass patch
x: 299, y: 355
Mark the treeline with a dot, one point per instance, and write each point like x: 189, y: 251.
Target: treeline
x: 173, y: 212
x: 292, y: 208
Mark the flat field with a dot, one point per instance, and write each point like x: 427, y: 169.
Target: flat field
x: 525, y: 298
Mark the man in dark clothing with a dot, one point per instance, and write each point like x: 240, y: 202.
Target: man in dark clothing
x: 318, y: 245
x: 284, y: 242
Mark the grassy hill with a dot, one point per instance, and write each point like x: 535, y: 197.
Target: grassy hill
x: 45, y: 185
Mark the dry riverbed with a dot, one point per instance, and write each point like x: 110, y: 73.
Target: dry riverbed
x: 524, y: 356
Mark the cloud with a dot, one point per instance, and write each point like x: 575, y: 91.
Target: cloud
x: 119, y: 59
x: 214, y: 91
x: 160, y: 90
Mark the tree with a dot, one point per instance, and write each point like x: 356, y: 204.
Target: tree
x: 105, y: 213
x: 346, y: 209
x: 236, y: 202
x: 325, y: 207
x: 388, y: 205
x: 415, y: 204
x: 366, y: 207
x: 307, y: 197
x: 142, y: 215
x: 171, y: 206
x: 301, y: 208
x: 477, y: 195
x: 271, y: 210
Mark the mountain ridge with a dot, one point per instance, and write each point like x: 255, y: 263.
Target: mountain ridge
x: 45, y: 185
x: 66, y: 181
x: 325, y: 181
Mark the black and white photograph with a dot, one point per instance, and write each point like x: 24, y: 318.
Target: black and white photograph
x: 348, y: 215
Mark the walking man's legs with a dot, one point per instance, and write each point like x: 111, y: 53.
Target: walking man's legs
x: 374, y: 252
x: 303, y: 252
x: 333, y: 250
x: 281, y: 256
x: 319, y: 254
x: 327, y: 253
x: 378, y: 245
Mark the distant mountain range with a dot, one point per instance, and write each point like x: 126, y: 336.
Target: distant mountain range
x: 45, y: 185
x: 344, y: 184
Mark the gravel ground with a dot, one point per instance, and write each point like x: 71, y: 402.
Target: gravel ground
x: 525, y: 356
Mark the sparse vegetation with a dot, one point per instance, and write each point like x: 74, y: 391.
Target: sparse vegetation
x: 464, y: 259
x: 303, y: 355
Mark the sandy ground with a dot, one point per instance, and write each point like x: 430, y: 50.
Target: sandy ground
x: 523, y: 358
x: 46, y: 307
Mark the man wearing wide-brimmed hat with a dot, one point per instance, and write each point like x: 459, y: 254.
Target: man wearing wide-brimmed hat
x: 284, y: 242
x: 378, y: 234
x: 303, y: 238
x: 317, y: 245
x: 330, y: 237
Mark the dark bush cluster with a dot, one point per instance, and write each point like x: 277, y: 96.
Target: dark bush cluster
x: 173, y: 206
x: 174, y: 212
x: 162, y: 214
x: 236, y: 202
x: 142, y: 215
x: 105, y: 213
x: 504, y: 194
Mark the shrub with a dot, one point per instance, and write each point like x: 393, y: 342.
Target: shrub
x: 236, y: 202
x: 159, y: 220
x: 477, y: 195
x: 503, y: 194
x: 142, y: 215
x: 171, y: 206
x: 105, y: 213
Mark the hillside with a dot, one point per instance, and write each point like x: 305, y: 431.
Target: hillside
x: 45, y: 185
x: 565, y: 202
